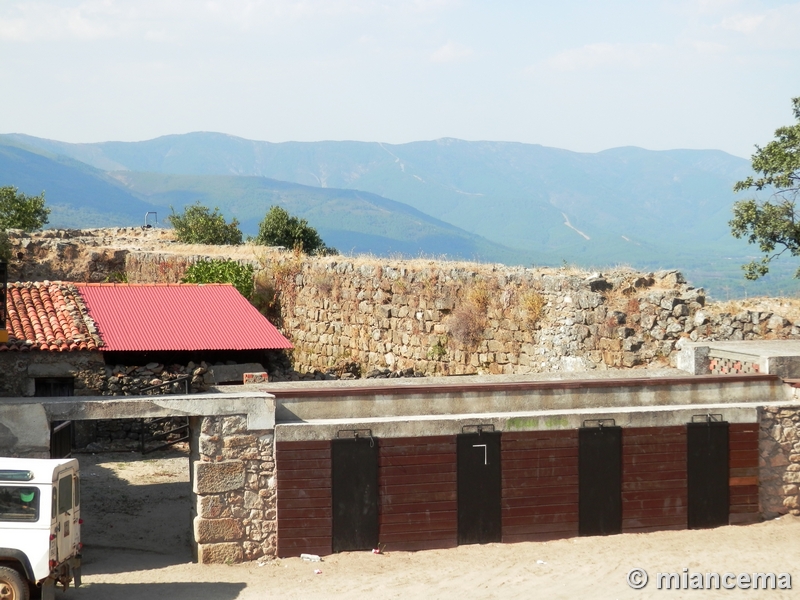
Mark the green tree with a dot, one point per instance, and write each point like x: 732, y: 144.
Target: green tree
x: 199, y: 225
x: 222, y: 271
x: 773, y: 224
x: 279, y: 228
x: 18, y: 211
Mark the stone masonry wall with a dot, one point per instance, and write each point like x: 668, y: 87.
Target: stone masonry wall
x: 92, y: 377
x: 19, y: 370
x: 779, y: 467
x: 348, y: 316
x: 351, y: 317
x: 233, y: 482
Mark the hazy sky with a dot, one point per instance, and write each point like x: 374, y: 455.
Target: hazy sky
x: 577, y: 74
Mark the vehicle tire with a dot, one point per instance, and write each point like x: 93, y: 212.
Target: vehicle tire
x: 12, y: 585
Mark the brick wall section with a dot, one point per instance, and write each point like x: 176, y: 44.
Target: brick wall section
x: 743, y: 466
x: 417, y: 493
x: 304, y: 498
x: 654, y: 490
x: 729, y: 366
x: 234, y: 491
x: 539, y: 485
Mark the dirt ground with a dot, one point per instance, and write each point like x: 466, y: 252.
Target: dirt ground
x: 137, y: 530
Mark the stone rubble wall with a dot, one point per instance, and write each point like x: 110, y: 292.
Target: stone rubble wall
x: 779, y: 466
x: 355, y: 317
x: 234, y: 489
x: 18, y: 371
x: 92, y: 377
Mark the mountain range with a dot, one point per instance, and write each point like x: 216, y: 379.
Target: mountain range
x: 492, y: 201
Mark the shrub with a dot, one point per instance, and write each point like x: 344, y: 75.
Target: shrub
x: 198, y: 225
x: 222, y: 271
x: 279, y: 228
x: 467, y: 323
x: 533, y: 304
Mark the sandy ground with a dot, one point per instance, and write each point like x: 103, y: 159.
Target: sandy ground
x: 137, y: 528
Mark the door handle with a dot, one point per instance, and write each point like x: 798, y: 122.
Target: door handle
x: 485, y: 452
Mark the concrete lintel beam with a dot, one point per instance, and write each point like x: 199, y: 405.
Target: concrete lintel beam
x: 325, y: 429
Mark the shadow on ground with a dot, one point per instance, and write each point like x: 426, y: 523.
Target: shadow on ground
x: 138, y: 521
x: 158, y: 591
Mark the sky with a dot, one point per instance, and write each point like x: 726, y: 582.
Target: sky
x: 576, y: 74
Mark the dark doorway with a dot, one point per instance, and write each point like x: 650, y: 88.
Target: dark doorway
x: 599, y: 480
x: 707, y: 471
x: 54, y: 386
x: 62, y: 433
x: 479, y: 488
x: 354, y: 479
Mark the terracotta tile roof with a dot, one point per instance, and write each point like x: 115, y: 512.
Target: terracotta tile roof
x: 48, y: 316
x: 171, y: 317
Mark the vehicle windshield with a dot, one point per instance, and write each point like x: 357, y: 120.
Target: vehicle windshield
x: 18, y: 503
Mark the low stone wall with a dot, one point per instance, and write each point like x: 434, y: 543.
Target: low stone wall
x: 233, y: 482
x: 779, y: 468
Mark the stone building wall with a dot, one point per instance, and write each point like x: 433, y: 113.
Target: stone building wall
x: 19, y: 371
x: 779, y: 468
x: 92, y: 377
x: 234, y: 490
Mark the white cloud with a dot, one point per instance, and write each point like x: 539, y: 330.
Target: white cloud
x: 451, y: 52
x: 775, y: 28
x: 742, y: 23
x: 592, y: 56
x: 54, y: 20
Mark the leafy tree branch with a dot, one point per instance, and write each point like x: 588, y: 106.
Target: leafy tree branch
x: 774, y: 224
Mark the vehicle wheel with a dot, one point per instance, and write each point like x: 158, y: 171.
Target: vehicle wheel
x: 12, y: 585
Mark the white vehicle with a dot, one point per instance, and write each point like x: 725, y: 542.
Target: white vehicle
x: 40, y: 534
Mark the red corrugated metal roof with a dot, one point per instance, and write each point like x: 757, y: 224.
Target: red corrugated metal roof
x: 48, y: 316
x: 154, y: 317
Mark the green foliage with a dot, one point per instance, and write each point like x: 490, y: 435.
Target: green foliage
x: 775, y: 223
x: 5, y: 247
x: 19, y: 211
x: 198, y: 225
x: 222, y: 271
x: 279, y: 228
x: 117, y: 277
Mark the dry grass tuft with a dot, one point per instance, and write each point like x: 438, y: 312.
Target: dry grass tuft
x: 533, y: 303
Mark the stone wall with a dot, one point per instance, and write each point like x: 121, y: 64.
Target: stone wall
x: 233, y: 483
x: 779, y: 468
x: 358, y: 315
x: 351, y: 317
x: 19, y: 371
x: 92, y: 377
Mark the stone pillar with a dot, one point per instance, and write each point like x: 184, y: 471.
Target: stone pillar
x: 779, y: 461
x: 233, y: 482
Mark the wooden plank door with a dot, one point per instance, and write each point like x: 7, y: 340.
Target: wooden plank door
x: 354, y: 474
x: 479, y: 488
x: 707, y: 471
x: 599, y: 480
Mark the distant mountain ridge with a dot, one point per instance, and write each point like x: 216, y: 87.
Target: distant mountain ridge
x: 516, y: 194
x: 523, y: 203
